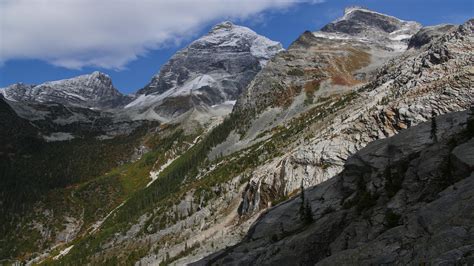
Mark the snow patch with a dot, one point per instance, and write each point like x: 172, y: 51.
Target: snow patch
x: 400, y: 37
x: 63, y: 252
x: 141, y: 100
x: 194, y: 85
x: 228, y: 102
x: 59, y: 136
x: 154, y: 174
x: 227, y: 34
x: 97, y: 224
x: 349, y: 10
x: 398, y: 47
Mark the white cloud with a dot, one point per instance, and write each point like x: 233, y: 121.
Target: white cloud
x: 109, y: 33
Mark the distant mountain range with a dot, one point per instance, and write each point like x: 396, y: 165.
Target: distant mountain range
x: 344, y: 148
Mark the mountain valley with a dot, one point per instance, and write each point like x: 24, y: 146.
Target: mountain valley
x: 352, y: 146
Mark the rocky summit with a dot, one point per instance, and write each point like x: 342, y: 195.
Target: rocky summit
x: 352, y: 146
x: 370, y: 26
x: 91, y: 91
x: 212, y: 70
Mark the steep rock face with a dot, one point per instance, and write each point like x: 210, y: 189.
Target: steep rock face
x: 387, y: 206
x: 90, y: 91
x: 428, y: 34
x: 211, y: 70
x: 404, y: 93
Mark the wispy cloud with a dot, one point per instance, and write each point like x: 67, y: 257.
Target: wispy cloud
x: 110, y: 33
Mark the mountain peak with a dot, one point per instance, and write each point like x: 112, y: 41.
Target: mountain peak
x: 88, y: 90
x: 357, y: 19
x: 95, y: 76
x: 216, y: 66
x: 362, y: 24
x: 98, y: 74
x: 350, y: 9
x: 223, y: 25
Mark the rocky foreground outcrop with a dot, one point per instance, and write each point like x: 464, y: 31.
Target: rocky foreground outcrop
x: 407, y: 199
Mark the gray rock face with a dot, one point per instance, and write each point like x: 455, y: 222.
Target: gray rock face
x: 372, y: 26
x: 89, y: 91
x: 211, y: 70
x: 399, y: 200
x: 429, y: 34
x: 359, y: 21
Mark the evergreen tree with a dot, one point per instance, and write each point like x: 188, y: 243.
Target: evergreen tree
x: 470, y: 121
x: 302, y: 211
x: 434, y: 127
x: 308, y: 214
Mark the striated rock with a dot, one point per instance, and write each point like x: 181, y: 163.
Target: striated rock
x: 387, y: 206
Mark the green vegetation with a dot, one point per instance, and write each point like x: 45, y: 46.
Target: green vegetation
x: 160, y: 193
x: 310, y: 88
x: 280, y: 200
x: 46, y: 175
x: 305, y: 211
x: 434, y: 127
x: 470, y: 122
x: 89, y: 198
x: 187, y: 251
x: 363, y: 200
x: 296, y: 72
x: 179, y: 178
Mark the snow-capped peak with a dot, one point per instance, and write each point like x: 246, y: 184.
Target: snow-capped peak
x: 227, y: 35
x: 351, y: 9
x: 210, y: 71
x: 89, y: 90
x: 222, y: 25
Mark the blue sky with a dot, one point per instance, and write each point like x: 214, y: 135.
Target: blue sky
x: 131, y: 70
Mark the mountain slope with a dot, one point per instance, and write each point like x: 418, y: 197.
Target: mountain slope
x: 387, y: 206
x: 86, y: 150
x: 207, y: 198
x: 329, y: 61
x: 212, y: 70
x: 402, y: 93
x: 176, y: 196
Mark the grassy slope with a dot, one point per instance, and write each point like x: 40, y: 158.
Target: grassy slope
x: 80, y: 178
x: 179, y: 178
